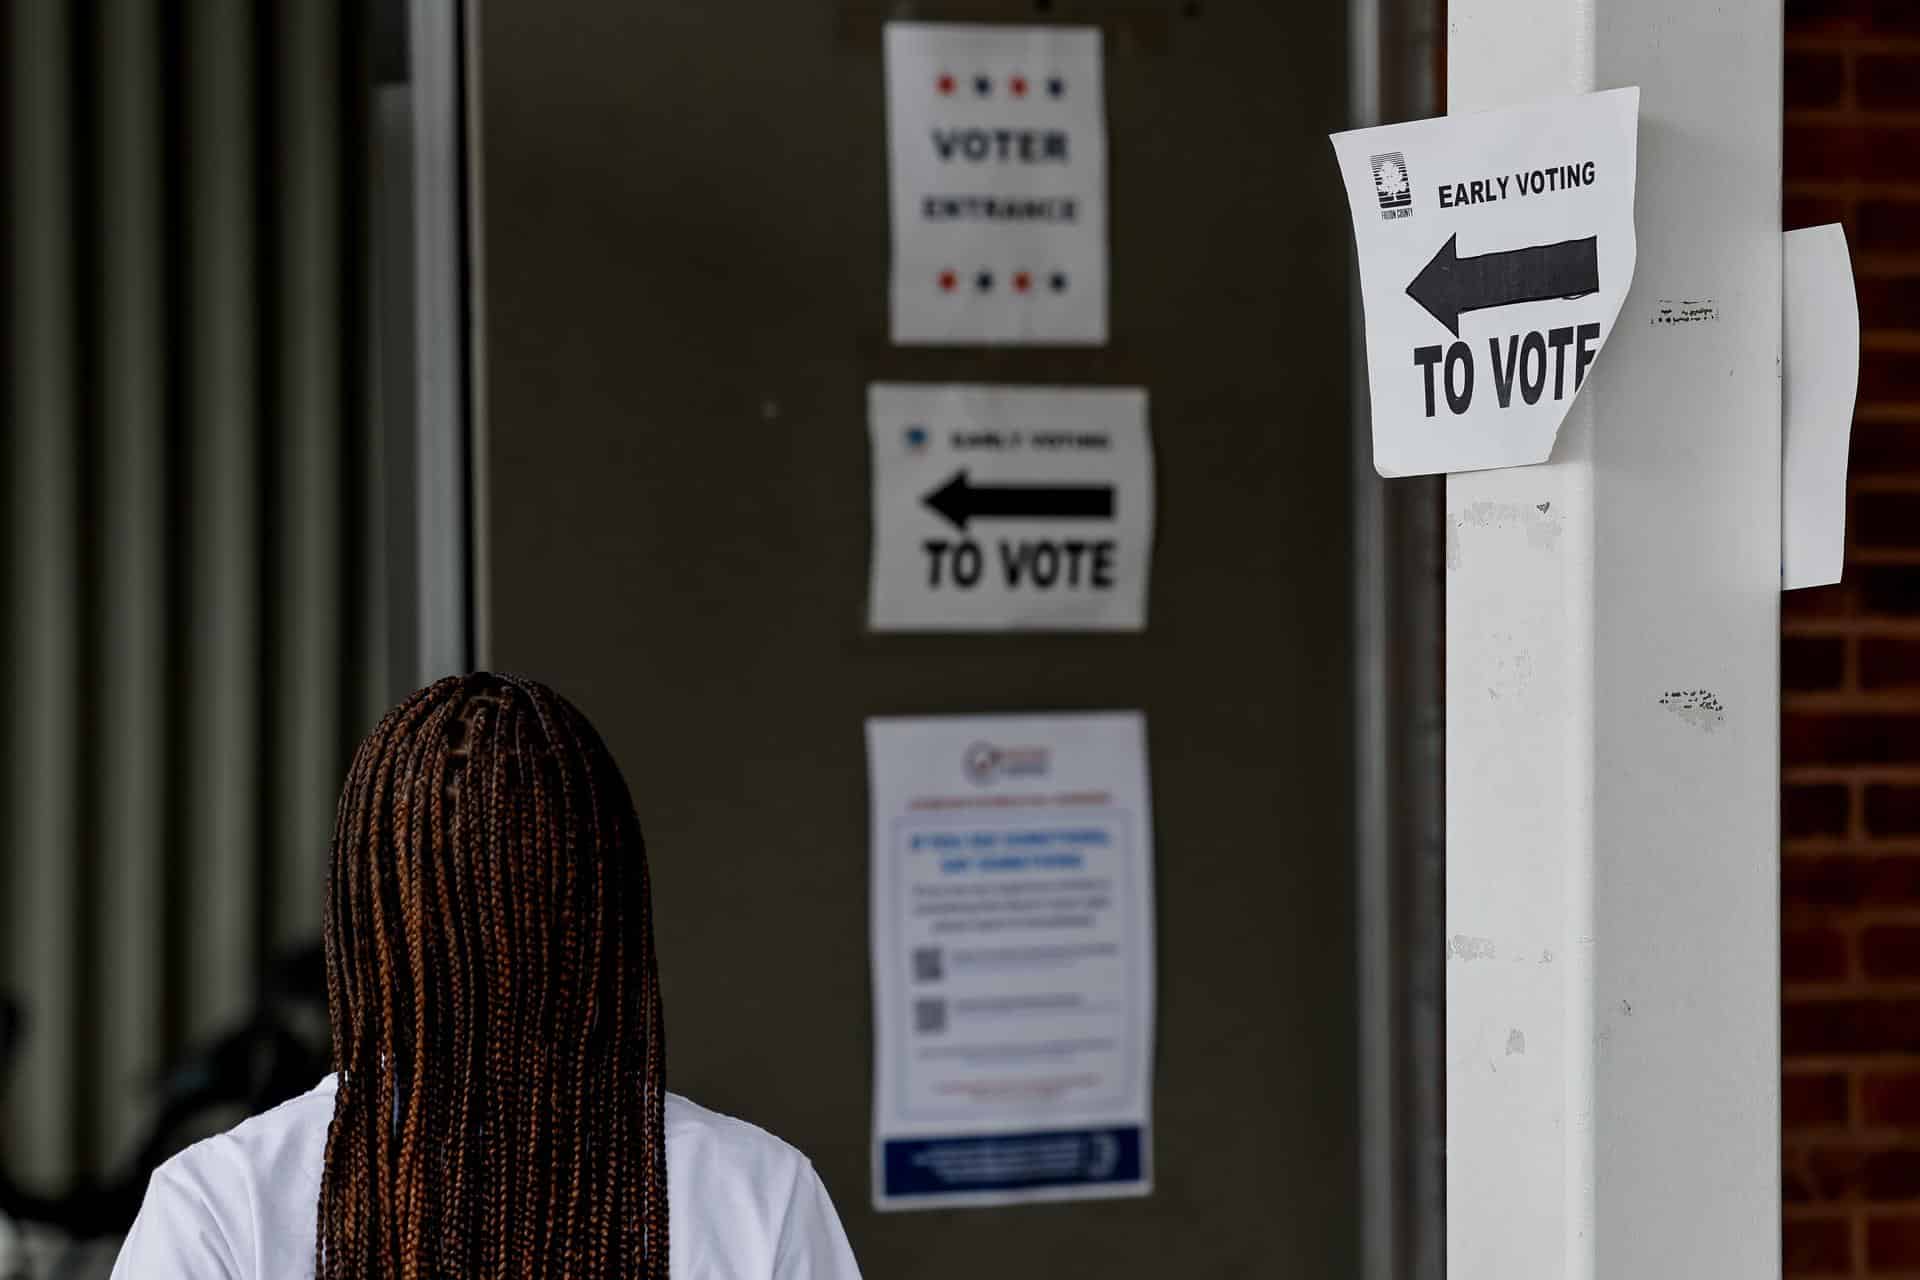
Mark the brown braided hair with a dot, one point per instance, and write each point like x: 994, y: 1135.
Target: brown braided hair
x: 494, y: 1000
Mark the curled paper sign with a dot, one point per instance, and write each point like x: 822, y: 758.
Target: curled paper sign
x: 1820, y: 345
x: 1495, y: 251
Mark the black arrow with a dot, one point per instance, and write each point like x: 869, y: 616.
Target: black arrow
x: 1451, y: 284
x: 960, y: 501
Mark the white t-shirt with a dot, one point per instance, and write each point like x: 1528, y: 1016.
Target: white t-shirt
x: 741, y: 1204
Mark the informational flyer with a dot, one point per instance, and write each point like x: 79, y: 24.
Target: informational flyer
x: 1495, y: 251
x: 997, y: 152
x: 1009, y: 508
x: 1013, y: 960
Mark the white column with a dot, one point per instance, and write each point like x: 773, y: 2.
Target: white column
x: 1612, y: 914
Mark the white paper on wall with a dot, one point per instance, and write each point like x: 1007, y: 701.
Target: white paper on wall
x: 1495, y: 250
x: 1820, y: 372
x: 997, y: 148
x: 1009, y: 508
x: 1013, y: 959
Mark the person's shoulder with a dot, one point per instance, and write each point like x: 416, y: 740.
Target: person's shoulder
x: 209, y: 1197
x: 712, y: 1155
x: 266, y: 1146
x: 737, y: 1191
x: 701, y: 1132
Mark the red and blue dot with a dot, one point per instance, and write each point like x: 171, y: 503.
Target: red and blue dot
x: 1016, y: 86
x: 985, y: 280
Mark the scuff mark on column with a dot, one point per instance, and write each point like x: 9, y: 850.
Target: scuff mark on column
x: 1534, y: 520
x: 1698, y: 707
x: 1685, y: 311
x: 1512, y: 673
x: 1463, y: 947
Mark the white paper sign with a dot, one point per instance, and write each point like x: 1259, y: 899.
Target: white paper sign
x: 1495, y: 251
x: 1820, y: 373
x: 1009, y: 508
x: 998, y: 156
x: 1012, y: 905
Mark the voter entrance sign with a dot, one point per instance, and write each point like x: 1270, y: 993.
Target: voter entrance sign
x: 997, y: 149
x: 1495, y: 251
x: 1009, y: 508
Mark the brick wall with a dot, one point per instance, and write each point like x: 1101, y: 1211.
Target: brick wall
x: 1850, y: 800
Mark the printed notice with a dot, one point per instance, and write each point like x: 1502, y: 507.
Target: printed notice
x: 1009, y: 508
x: 1012, y: 908
x: 1495, y: 251
x: 997, y: 147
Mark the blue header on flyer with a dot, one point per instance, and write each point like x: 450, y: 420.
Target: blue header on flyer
x: 1012, y: 1161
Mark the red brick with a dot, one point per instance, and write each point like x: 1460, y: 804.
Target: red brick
x: 1889, y: 153
x: 1894, y: 17
x: 1861, y: 738
x: 1796, y: 1183
x: 1882, y: 447
x: 1885, y: 520
x: 1836, y: 601
x: 1833, y: 152
x: 1889, y: 662
x: 1892, y: 810
x: 1814, y: 1101
x: 1810, y: 1246
x: 1850, y: 1026
x: 1890, y: 951
x: 1824, y: 881
x: 1882, y: 82
x: 1888, y: 226
x: 1827, y: 1174
x: 1890, y: 1098
x: 1832, y: 1174
x: 1814, y: 955
x: 1889, y: 375
x: 1814, y: 810
x: 1848, y: 881
x: 1820, y: 79
x: 1816, y: 151
x: 1812, y: 662
x: 1893, y: 1243
x: 1825, y: 16
x: 1885, y: 588
x: 1889, y: 302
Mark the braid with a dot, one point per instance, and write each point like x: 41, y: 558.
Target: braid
x: 497, y: 1025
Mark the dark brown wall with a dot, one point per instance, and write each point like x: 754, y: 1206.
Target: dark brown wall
x: 685, y: 241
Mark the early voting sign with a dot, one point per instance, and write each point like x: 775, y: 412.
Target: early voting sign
x: 998, y: 157
x: 1012, y: 916
x: 1495, y: 251
x: 1009, y: 508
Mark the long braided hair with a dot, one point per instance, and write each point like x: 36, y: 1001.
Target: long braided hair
x: 495, y: 1005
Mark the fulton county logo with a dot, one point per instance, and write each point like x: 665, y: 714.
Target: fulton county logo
x: 1392, y: 185
x: 984, y: 762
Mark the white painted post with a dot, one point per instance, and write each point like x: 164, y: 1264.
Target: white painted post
x: 1612, y: 899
